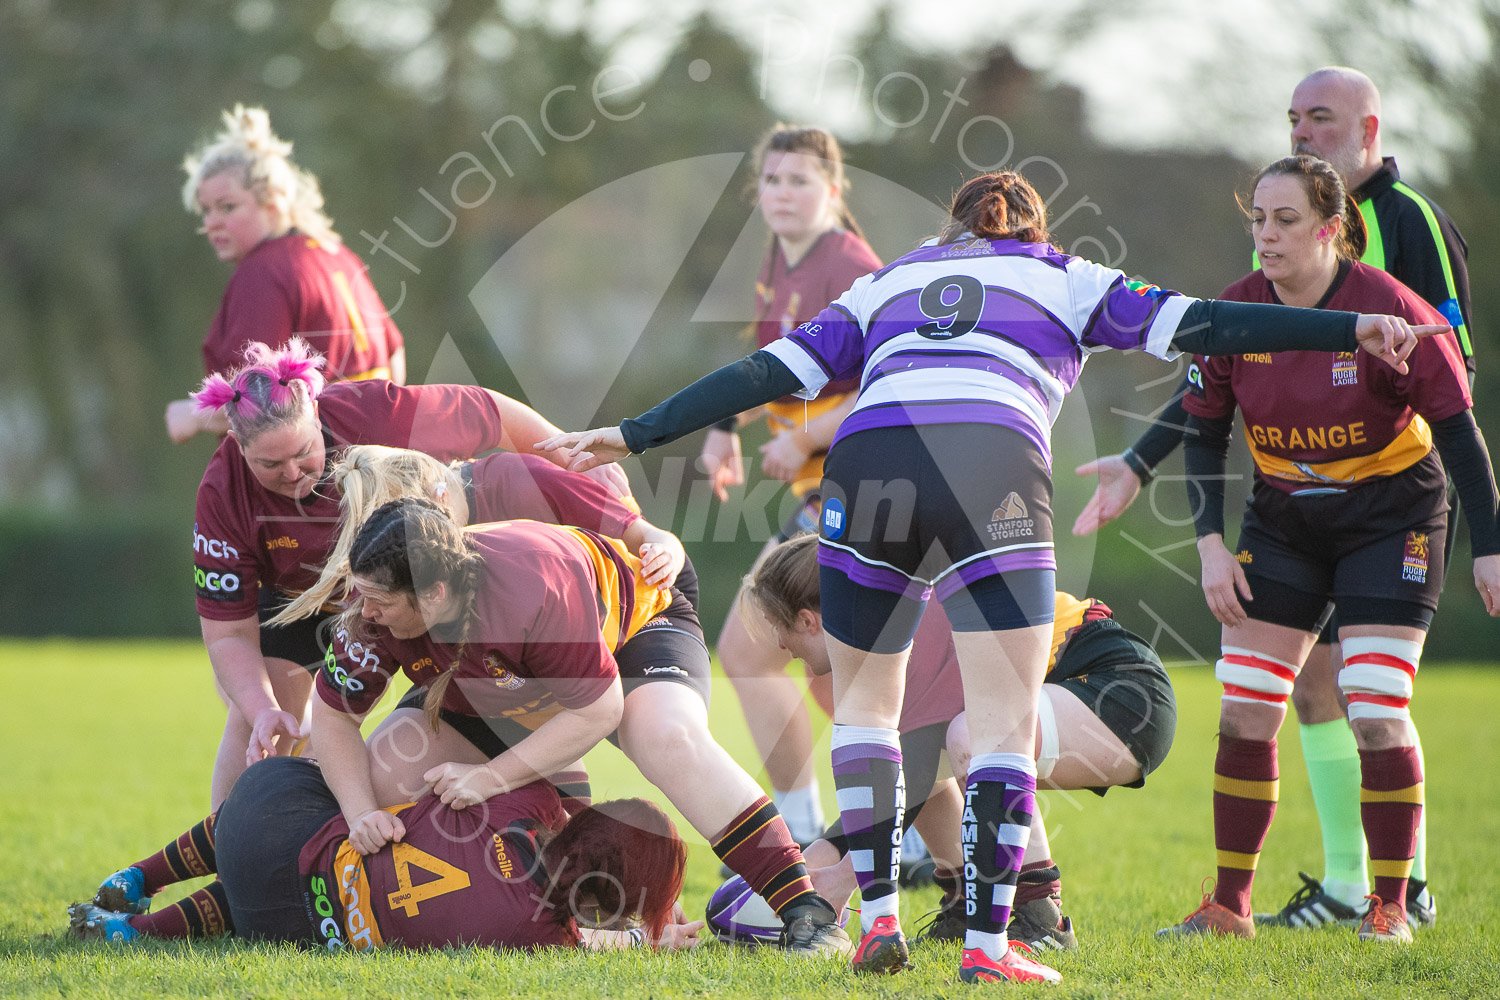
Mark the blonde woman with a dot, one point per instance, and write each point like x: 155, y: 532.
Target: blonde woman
x: 293, y: 276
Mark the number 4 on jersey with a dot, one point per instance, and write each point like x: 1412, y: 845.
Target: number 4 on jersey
x: 954, y: 304
x: 407, y: 896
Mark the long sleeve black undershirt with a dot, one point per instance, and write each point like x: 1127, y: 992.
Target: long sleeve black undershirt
x: 747, y: 383
x: 1165, y: 432
x: 1461, y: 446
x: 1209, y: 326
x: 1205, y: 455
x: 1214, y: 326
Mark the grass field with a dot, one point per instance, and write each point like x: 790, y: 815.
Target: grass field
x: 107, y: 750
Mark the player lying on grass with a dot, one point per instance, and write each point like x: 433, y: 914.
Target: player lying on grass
x: 529, y: 644
x: 515, y: 872
x: 1107, y: 717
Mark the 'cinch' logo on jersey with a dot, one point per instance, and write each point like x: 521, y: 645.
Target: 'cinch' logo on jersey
x: 1011, y: 519
x: 1345, y: 369
x: 1414, y: 560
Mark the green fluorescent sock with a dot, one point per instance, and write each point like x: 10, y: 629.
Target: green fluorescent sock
x: 1332, y: 759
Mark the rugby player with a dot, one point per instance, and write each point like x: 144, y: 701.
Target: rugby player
x: 1349, y: 506
x: 816, y: 251
x: 517, y: 873
x: 293, y: 276
x: 516, y: 635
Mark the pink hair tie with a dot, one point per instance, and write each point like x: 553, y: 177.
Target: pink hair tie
x: 236, y: 397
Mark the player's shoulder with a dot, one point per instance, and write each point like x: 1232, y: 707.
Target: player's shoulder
x: 850, y: 248
x: 1253, y: 287
x: 1374, y: 290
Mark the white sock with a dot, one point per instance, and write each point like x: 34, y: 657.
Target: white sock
x: 993, y: 945
x: 802, y: 811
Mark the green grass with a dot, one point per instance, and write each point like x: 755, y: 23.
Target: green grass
x: 107, y: 753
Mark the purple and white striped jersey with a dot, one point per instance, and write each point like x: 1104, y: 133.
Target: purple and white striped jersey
x: 977, y: 331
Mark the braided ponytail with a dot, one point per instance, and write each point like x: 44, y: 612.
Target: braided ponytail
x: 407, y: 546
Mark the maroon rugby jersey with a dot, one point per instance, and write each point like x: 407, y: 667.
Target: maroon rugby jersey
x: 465, y: 876
x: 554, y: 604
x: 246, y: 537
x: 508, y: 487
x: 786, y: 297
x: 934, y: 687
x: 292, y: 286
x: 1315, y: 419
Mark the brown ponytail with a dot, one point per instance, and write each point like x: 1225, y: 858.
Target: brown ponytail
x: 997, y: 206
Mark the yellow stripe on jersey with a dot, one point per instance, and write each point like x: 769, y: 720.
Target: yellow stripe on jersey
x: 1241, y: 788
x: 1234, y: 859
x: 1068, y: 615
x: 380, y: 371
x: 351, y: 307
x: 1408, y: 448
x: 650, y: 601
x: 354, y: 893
x: 1410, y: 796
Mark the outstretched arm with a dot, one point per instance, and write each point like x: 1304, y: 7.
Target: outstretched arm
x: 743, y: 385
x: 1215, y: 326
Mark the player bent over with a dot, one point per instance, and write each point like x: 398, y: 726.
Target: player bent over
x: 1107, y: 718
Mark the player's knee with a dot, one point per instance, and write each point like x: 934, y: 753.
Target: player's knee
x: 1254, y: 679
x: 958, y: 746
x: 1377, y: 678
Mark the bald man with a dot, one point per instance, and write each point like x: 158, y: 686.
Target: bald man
x: 1335, y: 116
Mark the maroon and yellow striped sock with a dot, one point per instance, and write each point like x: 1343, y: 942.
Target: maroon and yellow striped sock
x: 189, y: 856
x: 203, y: 914
x: 1245, y: 787
x: 759, y: 848
x: 1390, y: 806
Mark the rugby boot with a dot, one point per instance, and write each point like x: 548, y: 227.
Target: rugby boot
x: 1041, y: 926
x: 1311, y: 906
x: 882, y: 948
x: 124, y: 892
x: 1013, y: 967
x: 1421, y: 905
x: 947, y: 922
x: 1211, y: 918
x: 812, y: 929
x: 85, y: 920
x: 1385, y: 922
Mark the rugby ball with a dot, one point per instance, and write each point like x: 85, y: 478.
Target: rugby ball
x: 737, y: 915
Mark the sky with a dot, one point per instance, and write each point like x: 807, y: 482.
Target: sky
x: 1156, y: 73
